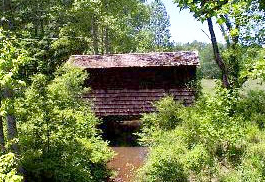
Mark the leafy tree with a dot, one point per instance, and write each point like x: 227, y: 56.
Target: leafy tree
x: 159, y: 26
x: 204, y: 11
x: 208, y: 67
x: 255, y: 65
x: 226, y: 12
x: 108, y: 26
x: 54, y: 30
x: 242, y: 22
x: 11, y: 60
x: 57, y: 130
x: 48, y: 126
x: 240, y: 18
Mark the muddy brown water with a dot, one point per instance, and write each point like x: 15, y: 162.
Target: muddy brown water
x: 126, y: 162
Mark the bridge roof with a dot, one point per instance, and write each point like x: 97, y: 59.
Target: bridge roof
x: 156, y: 59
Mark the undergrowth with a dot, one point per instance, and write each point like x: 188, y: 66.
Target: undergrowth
x: 219, y: 138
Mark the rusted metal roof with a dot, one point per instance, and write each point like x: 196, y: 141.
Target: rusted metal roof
x: 181, y: 58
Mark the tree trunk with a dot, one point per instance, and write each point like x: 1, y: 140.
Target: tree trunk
x: 217, y: 55
x: 2, y: 137
x: 7, y: 10
x: 11, y: 130
x: 107, y: 40
x: 225, y: 36
x: 11, y: 124
x: 94, y: 34
x: 230, y: 28
x: 102, y: 47
x: 6, y: 5
x: 233, y: 57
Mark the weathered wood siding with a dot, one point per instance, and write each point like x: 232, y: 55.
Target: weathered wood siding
x: 132, y: 91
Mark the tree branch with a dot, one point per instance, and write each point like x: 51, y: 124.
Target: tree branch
x: 206, y: 34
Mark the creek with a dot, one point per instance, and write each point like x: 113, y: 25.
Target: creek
x: 126, y: 162
x: 129, y: 155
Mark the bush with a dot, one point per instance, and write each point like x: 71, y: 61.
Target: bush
x: 8, y: 171
x: 58, y: 135
x: 167, y: 118
x: 219, y: 138
x: 164, y: 164
x: 252, y: 106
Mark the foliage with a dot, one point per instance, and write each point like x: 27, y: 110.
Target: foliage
x: 58, y: 136
x: 243, y: 19
x: 107, y: 26
x: 8, y: 172
x: 240, y: 23
x: 215, y: 139
x: 255, y: 67
x: 219, y: 138
x: 208, y: 67
x: 12, y: 60
x: 163, y: 164
x: 252, y: 24
x: 253, y: 107
x: 57, y: 131
x: 165, y: 119
x: 231, y: 57
x: 159, y: 26
x: 53, y: 31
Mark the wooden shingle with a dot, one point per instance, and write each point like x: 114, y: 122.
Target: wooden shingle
x: 129, y: 84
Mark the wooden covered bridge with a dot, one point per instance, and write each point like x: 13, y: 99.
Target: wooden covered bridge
x: 128, y: 84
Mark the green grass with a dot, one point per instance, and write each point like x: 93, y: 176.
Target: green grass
x: 254, y: 85
x: 209, y: 84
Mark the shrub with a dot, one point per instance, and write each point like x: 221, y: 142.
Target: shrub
x: 219, y: 138
x: 58, y: 135
x: 164, y: 164
x: 8, y: 171
x: 166, y: 118
x: 167, y: 115
x: 252, y: 106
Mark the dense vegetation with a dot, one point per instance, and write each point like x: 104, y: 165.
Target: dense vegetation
x: 221, y: 136
x: 49, y: 128
x: 48, y: 133
x: 218, y: 138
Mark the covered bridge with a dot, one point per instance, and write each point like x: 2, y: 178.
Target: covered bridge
x: 128, y: 84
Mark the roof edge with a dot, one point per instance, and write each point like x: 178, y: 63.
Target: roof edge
x: 152, y: 59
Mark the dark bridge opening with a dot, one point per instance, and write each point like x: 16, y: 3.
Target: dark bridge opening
x: 120, y: 131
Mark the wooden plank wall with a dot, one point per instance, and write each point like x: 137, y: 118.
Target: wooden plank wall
x: 133, y: 102
x: 131, y: 92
